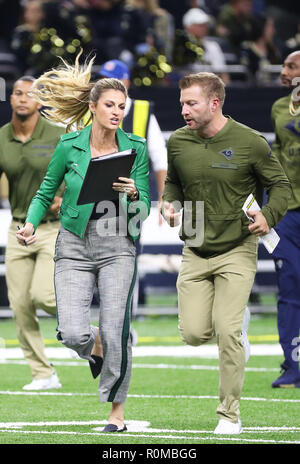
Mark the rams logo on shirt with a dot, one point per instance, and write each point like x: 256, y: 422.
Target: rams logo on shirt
x: 228, y: 153
x: 294, y: 127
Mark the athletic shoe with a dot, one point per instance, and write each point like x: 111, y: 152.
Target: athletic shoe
x: 96, y: 366
x: 287, y: 380
x: 44, y: 384
x: 226, y: 427
x: 245, y: 327
x: 111, y: 428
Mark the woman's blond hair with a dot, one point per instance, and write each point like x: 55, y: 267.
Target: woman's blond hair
x: 67, y: 91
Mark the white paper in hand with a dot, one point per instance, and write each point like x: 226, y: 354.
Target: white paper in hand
x: 269, y: 240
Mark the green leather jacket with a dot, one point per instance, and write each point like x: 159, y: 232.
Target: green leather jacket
x: 69, y: 162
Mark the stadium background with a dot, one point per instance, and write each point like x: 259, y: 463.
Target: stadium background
x: 173, y: 395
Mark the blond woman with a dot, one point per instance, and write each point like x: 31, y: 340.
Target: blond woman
x: 86, y: 256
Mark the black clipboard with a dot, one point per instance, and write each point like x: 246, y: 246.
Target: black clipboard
x: 102, y: 172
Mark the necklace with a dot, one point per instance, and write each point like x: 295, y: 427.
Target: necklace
x: 293, y: 111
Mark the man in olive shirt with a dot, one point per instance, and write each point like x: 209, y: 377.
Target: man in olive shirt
x: 286, y: 120
x: 26, y: 146
x: 214, y: 163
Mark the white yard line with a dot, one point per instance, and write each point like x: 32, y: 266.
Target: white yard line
x: 212, y: 397
x: 134, y: 426
x: 57, y: 363
x: 178, y: 351
x: 131, y: 423
x: 197, y: 367
x: 137, y: 426
x: 140, y: 435
x: 189, y: 397
x: 151, y: 366
x: 44, y: 393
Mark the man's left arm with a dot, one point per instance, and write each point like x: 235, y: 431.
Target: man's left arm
x: 271, y: 175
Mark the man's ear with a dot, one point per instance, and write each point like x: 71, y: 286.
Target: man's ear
x: 215, y: 103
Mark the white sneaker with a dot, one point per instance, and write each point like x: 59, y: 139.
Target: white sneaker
x: 245, y: 327
x: 225, y: 427
x: 44, y: 384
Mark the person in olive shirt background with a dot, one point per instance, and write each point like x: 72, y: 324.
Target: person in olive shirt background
x: 26, y: 145
x: 218, y: 161
x: 286, y: 120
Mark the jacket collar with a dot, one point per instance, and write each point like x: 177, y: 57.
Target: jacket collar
x: 83, y: 140
x: 124, y: 141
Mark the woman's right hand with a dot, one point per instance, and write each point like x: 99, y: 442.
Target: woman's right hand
x: 25, y: 235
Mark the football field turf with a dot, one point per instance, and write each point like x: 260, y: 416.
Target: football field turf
x: 172, y: 399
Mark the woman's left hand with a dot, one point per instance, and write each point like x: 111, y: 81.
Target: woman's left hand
x: 125, y: 185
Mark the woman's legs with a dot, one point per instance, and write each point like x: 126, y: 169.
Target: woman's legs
x: 74, y: 286
x: 79, y: 264
x: 116, y: 282
x: 97, y: 348
x: 116, y: 416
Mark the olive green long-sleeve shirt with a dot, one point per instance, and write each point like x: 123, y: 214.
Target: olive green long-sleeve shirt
x: 222, y: 171
x: 25, y: 164
x: 287, y: 145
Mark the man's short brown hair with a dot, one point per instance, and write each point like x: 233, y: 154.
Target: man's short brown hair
x: 212, y: 85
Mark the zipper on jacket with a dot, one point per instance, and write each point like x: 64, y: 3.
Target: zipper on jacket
x: 72, y: 167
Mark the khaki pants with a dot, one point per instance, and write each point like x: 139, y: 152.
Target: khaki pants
x: 212, y: 297
x: 30, y: 284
